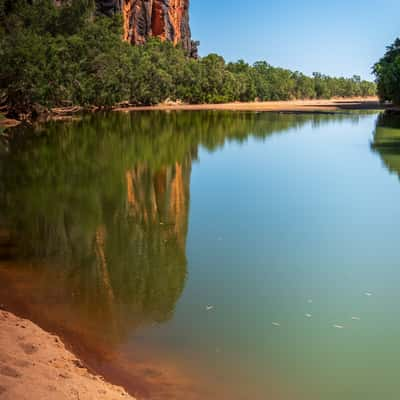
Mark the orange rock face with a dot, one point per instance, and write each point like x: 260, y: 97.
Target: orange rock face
x: 166, y: 19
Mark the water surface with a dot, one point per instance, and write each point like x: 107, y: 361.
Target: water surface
x: 212, y: 254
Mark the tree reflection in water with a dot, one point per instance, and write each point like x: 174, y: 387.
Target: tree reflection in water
x: 98, y: 213
x: 99, y: 209
x: 386, y: 140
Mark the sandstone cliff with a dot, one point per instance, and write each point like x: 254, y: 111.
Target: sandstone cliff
x: 166, y: 19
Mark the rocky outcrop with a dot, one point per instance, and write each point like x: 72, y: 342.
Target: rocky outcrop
x: 166, y: 19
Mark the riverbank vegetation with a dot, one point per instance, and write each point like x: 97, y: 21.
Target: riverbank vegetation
x: 63, y: 56
x: 387, y: 72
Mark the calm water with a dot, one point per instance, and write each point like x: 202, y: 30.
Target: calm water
x: 227, y: 255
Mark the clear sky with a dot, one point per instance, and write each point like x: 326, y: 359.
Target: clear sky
x: 336, y: 37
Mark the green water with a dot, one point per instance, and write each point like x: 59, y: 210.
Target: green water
x: 213, y: 254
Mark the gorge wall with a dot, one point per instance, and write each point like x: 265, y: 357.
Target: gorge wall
x: 166, y: 19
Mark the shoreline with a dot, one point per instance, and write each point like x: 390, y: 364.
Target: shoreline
x: 141, y: 378
x: 291, y: 106
x: 8, y: 123
x: 93, y: 356
x: 333, y: 105
x: 31, y: 358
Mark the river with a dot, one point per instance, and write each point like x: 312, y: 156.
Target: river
x: 211, y: 255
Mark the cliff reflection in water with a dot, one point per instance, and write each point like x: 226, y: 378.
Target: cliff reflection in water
x: 99, y: 211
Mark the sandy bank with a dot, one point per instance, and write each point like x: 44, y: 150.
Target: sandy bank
x: 293, y: 106
x: 300, y: 106
x: 35, y: 365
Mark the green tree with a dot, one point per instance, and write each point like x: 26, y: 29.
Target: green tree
x: 387, y: 72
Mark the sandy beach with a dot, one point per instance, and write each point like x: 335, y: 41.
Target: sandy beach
x: 296, y: 106
x: 36, y: 365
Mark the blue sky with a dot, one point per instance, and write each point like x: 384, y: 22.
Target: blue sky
x: 336, y: 37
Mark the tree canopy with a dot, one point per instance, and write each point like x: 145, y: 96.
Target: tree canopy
x: 387, y: 71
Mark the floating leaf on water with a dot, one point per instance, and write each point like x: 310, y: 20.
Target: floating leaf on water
x: 338, y: 326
